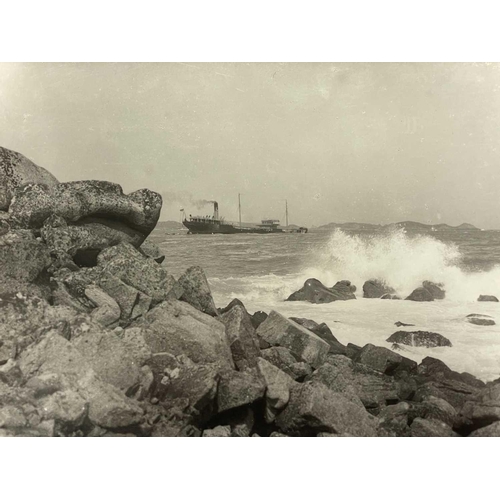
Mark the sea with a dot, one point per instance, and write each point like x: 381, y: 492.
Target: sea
x: 263, y: 270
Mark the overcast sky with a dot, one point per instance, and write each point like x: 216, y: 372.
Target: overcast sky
x: 341, y: 142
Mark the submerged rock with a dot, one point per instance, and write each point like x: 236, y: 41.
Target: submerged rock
x: 487, y: 298
x: 374, y: 289
x: 480, y: 319
x: 419, y: 339
x: 15, y: 171
x: 314, y: 291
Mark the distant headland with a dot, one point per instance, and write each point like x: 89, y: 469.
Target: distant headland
x: 408, y: 225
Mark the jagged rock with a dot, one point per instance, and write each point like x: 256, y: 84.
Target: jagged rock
x: 100, y: 204
x: 17, y: 170
x: 239, y: 389
x: 483, y: 407
x: 197, y: 290
x: 487, y: 298
x: 314, y: 291
x: 108, y: 406
x: 374, y: 289
x: 384, y: 360
x: 492, y: 430
x: 107, y: 310
x: 430, y: 428
x: 419, y: 339
x: 258, y: 318
x: 306, y: 346
x: 435, y: 289
x: 241, y: 336
x: 352, y: 350
x: 435, y: 408
x: 323, y: 332
x: 393, y: 420
x: 390, y: 296
x: 152, y: 250
x: 480, y: 320
x: 177, y: 378
x: 420, y: 294
x: 178, y: 328
x: 278, y: 385
x: 234, y: 302
x: 219, y: 431
x: 435, y: 369
x: 281, y: 357
x: 133, y: 338
x: 22, y: 257
x: 313, y: 408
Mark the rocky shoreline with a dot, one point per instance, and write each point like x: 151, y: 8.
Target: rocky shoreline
x: 97, y: 338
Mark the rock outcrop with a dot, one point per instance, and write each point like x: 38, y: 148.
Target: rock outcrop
x: 480, y: 319
x: 419, y: 339
x: 314, y: 291
x: 420, y: 294
x: 487, y: 298
x: 375, y: 289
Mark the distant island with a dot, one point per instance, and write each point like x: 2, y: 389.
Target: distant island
x: 408, y: 225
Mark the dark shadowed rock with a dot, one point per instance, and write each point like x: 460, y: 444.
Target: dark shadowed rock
x: 435, y: 289
x: 239, y: 389
x: 241, y: 337
x: 178, y: 328
x: 352, y: 350
x: 313, y: 408
x: 278, y: 385
x: 393, y: 420
x: 344, y: 289
x: 258, y: 318
x: 419, y: 339
x: 420, y: 294
x: 313, y: 291
x: 492, y: 430
x: 483, y: 407
x: 197, y: 290
x: 374, y: 289
x: 305, y: 346
x: 487, y: 298
x: 88, y: 202
x: 15, y: 171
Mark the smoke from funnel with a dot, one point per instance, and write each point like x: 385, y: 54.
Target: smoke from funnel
x: 183, y: 198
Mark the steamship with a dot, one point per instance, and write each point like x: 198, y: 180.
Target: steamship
x: 217, y: 225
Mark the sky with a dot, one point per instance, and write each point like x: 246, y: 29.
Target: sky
x: 341, y: 142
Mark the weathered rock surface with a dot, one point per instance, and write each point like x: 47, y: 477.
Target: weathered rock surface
x: 384, y: 360
x: 374, y: 289
x: 107, y: 310
x: 323, y: 332
x: 314, y: 408
x: 487, y: 298
x: 17, y: 170
x: 419, y: 339
x: 152, y: 250
x: 492, y: 430
x: 241, y: 337
x: 178, y: 328
x: 420, y: 294
x: 197, y: 290
x: 258, y: 318
x: 430, y: 428
x: 219, y: 431
x: 483, y: 407
x: 88, y: 202
x: 305, y: 346
x: 239, y: 389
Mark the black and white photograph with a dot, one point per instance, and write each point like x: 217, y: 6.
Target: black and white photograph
x: 195, y: 246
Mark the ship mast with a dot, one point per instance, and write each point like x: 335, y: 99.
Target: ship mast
x: 286, y: 212
x: 239, y: 207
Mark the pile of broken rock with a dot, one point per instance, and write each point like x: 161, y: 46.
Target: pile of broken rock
x: 98, y: 339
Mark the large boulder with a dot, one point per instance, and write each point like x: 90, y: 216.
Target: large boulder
x: 423, y: 427
x: 492, y: 430
x: 306, y: 346
x: 152, y: 250
x: 420, y: 294
x: 374, y: 289
x: 101, y: 206
x: 240, y: 389
x: 419, y: 339
x: 483, y: 407
x: 17, y: 170
x: 435, y: 289
x: 313, y: 408
x: 282, y: 358
x: 242, y: 337
x: 384, y: 360
x: 197, y: 290
x: 178, y: 328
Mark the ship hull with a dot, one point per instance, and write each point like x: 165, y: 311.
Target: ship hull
x: 201, y: 228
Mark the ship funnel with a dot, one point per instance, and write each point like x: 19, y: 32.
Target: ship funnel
x: 216, y: 210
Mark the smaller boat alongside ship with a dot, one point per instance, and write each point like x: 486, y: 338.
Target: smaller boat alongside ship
x: 215, y: 224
